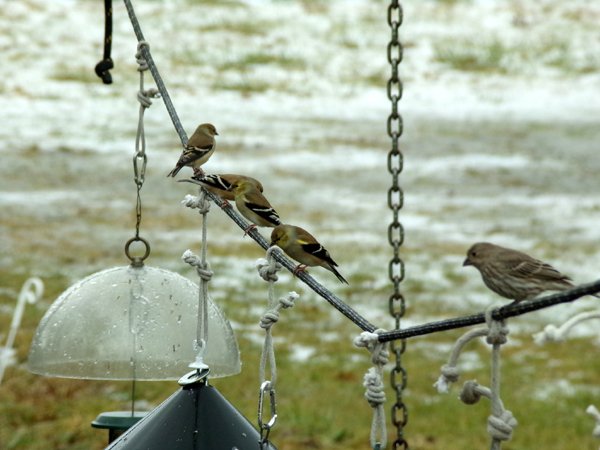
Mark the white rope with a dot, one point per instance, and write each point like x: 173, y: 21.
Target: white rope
x: 501, y: 422
x: 31, y: 291
x: 450, y: 371
x: 373, y: 382
x: 267, y: 269
x: 551, y: 333
x: 205, y: 273
x: 593, y: 411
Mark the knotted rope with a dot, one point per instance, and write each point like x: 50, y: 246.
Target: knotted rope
x: 373, y: 382
x: 501, y: 422
x: 205, y: 273
x: 267, y: 269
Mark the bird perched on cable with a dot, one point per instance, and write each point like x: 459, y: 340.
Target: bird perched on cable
x: 221, y: 184
x: 199, y: 148
x: 513, y: 274
x: 302, y: 246
x: 253, y: 205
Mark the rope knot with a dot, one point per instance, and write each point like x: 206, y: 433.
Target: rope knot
x: 267, y: 269
x: 139, y: 56
x: 197, y: 202
x: 501, y: 427
x: 202, y: 268
x: 497, y: 334
x: 375, y: 389
x: 289, y: 300
x: 269, y: 319
x: 379, y: 353
x: 593, y: 411
x: 450, y: 374
x: 145, y: 96
x: 497, y: 329
x: 470, y: 393
x: 205, y: 272
x: 550, y: 334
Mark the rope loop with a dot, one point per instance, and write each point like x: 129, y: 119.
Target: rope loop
x: 497, y: 329
x: 139, y: 56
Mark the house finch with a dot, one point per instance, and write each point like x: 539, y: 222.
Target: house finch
x: 513, y: 274
x: 253, y: 205
x: 300, y: 245
x: 198, y: 149
x: 221, y: 184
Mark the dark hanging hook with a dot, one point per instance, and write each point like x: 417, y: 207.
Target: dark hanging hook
x: 103, y: 67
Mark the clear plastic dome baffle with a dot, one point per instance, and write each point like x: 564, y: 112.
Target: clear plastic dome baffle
x: 130, y: 323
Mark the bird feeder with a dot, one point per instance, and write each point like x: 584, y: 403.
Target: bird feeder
x: 129, y: 323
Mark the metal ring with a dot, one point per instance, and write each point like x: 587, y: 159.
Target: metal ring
x: 137, y: 260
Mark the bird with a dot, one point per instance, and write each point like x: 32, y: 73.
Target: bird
x: 220, y: 184
x: 199, y: 148
x: 514, y: 274
x: 302, y: 246
x: 253, y: 205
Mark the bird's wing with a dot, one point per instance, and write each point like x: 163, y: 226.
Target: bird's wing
x: 318, y: 251
x: 191, y: 154
x: 262, y: 208
x: 215, y: 181
x: 538, y: 269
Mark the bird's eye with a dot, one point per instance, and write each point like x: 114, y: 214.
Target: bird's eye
x: 474, y: 254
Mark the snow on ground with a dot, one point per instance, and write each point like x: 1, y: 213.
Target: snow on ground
x: 501, y: 104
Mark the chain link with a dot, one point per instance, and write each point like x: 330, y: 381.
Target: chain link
x: 140, y: 159
x: 395, y: 199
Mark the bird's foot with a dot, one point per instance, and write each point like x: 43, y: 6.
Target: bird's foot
x: 222, y: 203
x: 198, y: 172
x: 299, y: 269
x: 249, y: 229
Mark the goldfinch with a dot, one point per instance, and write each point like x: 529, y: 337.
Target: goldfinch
x: 221, y: 184
x: 302, y: 246
x: 253, y: 205
x: 198, y: 149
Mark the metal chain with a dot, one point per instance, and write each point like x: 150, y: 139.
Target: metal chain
x: 140, y: 159
x: 395, y: 162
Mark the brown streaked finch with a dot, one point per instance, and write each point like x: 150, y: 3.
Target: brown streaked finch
x: 514, y: 274
x: 302, y: 246
x: 199, y: 148
x: 253, y: 205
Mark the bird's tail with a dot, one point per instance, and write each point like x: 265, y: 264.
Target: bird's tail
x: 338, y: 275
x: 174, y: 172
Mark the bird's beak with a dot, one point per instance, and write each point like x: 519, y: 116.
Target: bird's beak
x: 216, y: 134
x: 467, y: 262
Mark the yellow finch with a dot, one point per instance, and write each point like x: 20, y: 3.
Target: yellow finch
x: 513, y: 274
x: 198, y: 149
x: 221, y: 184
x: 300, y: 245
x: 253, y: 205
